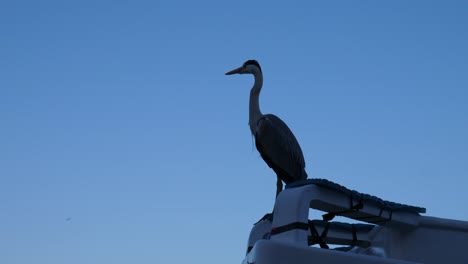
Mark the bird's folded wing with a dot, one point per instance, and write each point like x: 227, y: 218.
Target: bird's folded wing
x: 278, y: 145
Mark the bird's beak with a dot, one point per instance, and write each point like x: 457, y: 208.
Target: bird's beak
x: 238, y: 70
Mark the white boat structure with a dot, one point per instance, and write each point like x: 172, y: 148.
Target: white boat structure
x: 390, y: 233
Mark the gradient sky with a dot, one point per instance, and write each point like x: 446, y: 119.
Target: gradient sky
x: 118, y: 115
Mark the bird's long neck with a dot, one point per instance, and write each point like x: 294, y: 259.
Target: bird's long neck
x: 254, y: 105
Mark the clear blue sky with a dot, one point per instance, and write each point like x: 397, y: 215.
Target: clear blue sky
x: 118, y: 115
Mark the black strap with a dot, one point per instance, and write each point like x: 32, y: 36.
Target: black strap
x: 315, y: 238
x: 268, y: 217
x: 352, y: 208
x: 329, y: 216
x: 389, y: 216
x: 353, y: 230
x: 325, y: 230
x: 289, y: 227
x: 381, y: 210
x: 249, y: 249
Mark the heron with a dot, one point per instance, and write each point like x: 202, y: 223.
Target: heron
x: 274, y: 140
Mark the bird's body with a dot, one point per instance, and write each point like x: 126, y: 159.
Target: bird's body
x: 283, y: 156
x: 274, y: 140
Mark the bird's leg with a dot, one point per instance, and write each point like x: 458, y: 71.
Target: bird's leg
x: 279, y: 186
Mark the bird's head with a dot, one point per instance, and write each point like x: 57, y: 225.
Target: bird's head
x: 250, y: 66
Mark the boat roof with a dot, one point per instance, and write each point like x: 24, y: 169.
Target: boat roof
x: 367, y: 198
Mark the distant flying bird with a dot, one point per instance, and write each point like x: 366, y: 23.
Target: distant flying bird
x: 69, y: 218
x: 274, y: 140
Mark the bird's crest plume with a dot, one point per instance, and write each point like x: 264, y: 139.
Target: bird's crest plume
x: 253, y: 62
